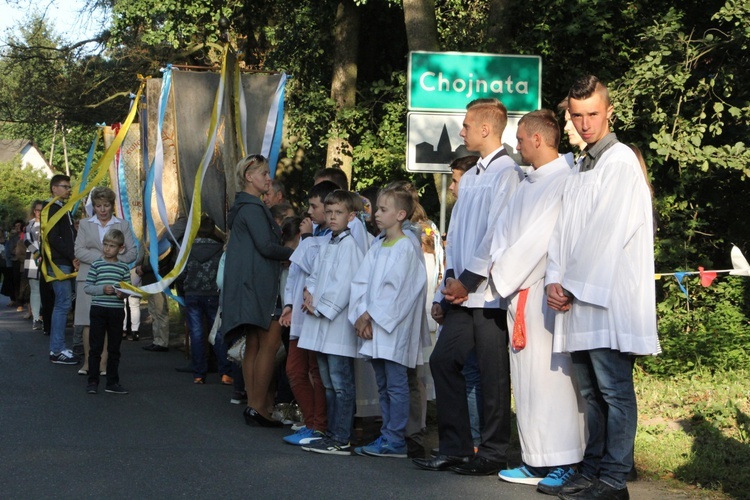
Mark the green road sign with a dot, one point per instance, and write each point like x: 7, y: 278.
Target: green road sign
x: 448, y: 81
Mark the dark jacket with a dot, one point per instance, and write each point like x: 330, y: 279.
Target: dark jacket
x: 61, y: 238
x: 199, y: 276
x: 252, y: 266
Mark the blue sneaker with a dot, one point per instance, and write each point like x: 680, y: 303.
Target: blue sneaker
x: 554, y: 481
x: 360, y: 450
x: 519, y: 475
x: 382, y: 448
x: 303, y: 437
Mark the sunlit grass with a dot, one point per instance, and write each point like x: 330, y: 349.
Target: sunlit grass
x: 695, y: 429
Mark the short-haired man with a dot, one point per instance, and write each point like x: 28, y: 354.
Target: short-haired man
x: 61, y: 238
x: 275, y: 195
x: 470, y: 320
x: 335, y: 175
x: 600, y: 280
x: 550, y: 424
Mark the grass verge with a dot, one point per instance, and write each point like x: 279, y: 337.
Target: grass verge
x: 694, y: 429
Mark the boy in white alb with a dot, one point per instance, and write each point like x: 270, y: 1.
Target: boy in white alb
x: 327, y: 329
x: 301, y: 364
x: 549, y: 419
x: 387, y: 293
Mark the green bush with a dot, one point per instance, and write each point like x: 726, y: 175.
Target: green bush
x: 711, y: 331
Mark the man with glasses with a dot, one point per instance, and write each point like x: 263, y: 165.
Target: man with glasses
x: 61, y: 238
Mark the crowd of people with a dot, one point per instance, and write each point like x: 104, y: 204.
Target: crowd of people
x: 543, y: 285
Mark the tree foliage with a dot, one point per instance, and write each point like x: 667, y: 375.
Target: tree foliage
x: 20, y: 187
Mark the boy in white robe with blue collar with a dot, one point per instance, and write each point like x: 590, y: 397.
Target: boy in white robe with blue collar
x: 327, y: 329
x: 385, y: 310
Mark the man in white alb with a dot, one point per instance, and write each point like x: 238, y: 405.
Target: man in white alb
x: 549, y: 419
x: 470, y: 321
x: 600, y: 280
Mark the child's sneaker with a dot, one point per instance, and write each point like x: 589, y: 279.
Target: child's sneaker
x: 238, y: 397
x: 303, y: 437
x: 554, y: 481
x: 329, y: 446
x: 382, y: 448
x: 520, y: 475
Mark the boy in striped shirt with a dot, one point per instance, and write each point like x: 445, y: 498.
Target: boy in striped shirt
x: 106, y: 313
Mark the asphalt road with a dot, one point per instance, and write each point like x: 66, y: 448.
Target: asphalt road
x: 171, y: 439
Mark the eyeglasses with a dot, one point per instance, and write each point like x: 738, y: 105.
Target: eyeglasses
x: 251, y: 160
x: 65, y: 186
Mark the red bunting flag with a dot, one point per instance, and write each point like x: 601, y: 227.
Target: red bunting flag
x: 707, y: 277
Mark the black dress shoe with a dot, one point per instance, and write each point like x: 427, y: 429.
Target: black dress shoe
x: 598, y: 490
x: 248, y: 413
x: 479, y: 466
x: 155, y: 348
x: 252, y: 414
x: 575, y: 483
x: 440, y: 462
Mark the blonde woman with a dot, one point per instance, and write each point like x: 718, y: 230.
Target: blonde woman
x: 88, y: 248
x: 251, y: 280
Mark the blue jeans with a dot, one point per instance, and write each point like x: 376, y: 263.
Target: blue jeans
x: 198, y: 308
x: 337, y: 374
x: 474, y: 396
x: 605, y: 381
x: 63, y: 302
x: 393, y: 389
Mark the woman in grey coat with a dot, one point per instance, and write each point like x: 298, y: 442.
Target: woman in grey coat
x: 251, y: 284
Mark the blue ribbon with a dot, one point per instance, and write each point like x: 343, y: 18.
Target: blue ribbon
x: 153, y: 241
x: 273, y: 154
x: 87, y: 168
x: 680, y: 277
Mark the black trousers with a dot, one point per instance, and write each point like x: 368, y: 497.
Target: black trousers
x: 47, y: 295
x: 105, y: 321
x: 463, y: 330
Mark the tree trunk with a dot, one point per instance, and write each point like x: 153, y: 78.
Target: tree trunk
x: 344, y: 84
x: 421, y: 25
x: 498, y: 32
x: 421, y: 34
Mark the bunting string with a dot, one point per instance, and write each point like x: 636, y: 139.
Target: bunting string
x: 740, y: 267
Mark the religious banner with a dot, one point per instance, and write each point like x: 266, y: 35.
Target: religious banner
x: 130, y: 182
x: 255, y: 112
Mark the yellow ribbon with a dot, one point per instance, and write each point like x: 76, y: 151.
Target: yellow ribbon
x: 99, y: 171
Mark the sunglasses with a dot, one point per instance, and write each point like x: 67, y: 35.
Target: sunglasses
x: 251, y: 160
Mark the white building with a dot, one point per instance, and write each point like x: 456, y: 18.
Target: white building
x: 28, y: 152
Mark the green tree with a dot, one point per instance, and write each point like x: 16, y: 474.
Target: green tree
x: 20, y: 187
x: 50, y: 90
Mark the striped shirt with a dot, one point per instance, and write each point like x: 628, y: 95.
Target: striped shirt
x: 106, y: 273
